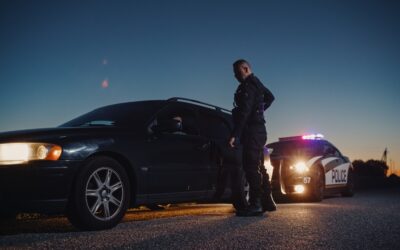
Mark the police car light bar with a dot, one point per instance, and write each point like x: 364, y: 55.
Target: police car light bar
x: 304, y: 137
x: 313, y: 137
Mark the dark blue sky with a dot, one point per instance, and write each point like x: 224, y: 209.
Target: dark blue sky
x: 334, y: 66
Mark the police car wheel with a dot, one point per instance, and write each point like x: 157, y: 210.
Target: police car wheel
x: 318, y: 185
x: 349, y: 191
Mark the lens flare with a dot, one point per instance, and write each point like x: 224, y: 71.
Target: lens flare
x: 105, y: 84
x: 300, y: 167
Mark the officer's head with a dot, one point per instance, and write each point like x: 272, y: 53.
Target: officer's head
x: 241, y: 69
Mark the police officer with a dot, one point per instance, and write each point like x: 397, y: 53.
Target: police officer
x: 252, y: 98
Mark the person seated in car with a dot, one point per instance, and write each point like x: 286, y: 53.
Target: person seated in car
x: 179, y: 121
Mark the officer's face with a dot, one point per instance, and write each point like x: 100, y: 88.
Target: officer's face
x: 239, y: 73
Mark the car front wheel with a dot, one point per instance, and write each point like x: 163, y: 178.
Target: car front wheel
x: 100, y: 196
x: 349, y: 191
x: 318, y: 185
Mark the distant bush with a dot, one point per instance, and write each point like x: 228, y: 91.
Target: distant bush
x: 371, y: 168
x: 393, y: 181
x: 372, y: 174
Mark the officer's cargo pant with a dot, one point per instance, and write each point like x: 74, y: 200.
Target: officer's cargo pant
x: 253, y: 140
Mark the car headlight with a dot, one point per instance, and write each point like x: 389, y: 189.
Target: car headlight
x: 15, y: 153
x: 300, y: 167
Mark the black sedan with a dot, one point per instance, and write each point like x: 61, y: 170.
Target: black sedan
x: 94, y: 167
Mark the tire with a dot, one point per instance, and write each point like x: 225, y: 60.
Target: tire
x: 318, y: 185
x: 100, y: 195
x: 240, y: 195
x: 349, y: 191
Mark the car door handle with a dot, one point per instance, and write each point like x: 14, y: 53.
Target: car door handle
x: 204, y: 147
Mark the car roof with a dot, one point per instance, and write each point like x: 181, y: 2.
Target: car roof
x: 155, y: 102
x: 294, y: 141
x: 205, y: 106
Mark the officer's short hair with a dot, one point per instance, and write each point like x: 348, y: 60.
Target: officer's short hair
x: 240, y: 62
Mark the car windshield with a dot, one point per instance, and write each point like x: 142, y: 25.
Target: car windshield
x: 119, y: 115
x: 295, y: 148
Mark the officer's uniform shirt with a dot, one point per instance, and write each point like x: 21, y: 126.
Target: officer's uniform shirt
x: 252, y: 98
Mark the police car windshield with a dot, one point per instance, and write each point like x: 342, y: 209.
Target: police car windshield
x: 295, y: 148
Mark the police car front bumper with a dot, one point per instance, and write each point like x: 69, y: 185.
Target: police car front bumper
x: 297, y: 184
x: 288, y: 181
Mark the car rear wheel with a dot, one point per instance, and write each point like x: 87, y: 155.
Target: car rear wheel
x: 349, y: 191
x: 100, y: 196
x: 318, y: 185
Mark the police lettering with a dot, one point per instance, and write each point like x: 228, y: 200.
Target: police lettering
x: 339, y: 176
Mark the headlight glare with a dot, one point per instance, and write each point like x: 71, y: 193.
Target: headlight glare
x: 16, y: 153
x: 299, y: 189
x: 10, y: 152
x: 300, y: 167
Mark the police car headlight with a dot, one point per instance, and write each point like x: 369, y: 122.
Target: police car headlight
x: 300, y: 167
x: 17, y: 153
x: 269, y: 168
x: 299, y: 189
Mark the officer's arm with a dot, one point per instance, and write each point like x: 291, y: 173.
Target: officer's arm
x: 268, y: 98
x: 243, y: 111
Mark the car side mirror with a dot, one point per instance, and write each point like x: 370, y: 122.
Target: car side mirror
x: 167, y: 126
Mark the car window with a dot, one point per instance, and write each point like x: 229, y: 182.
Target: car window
x: 186, y: 114
x: 329, y: 149
x: 336, y: 152
x: 131, y: 115
x: 213, y: 126
x: 98, y: 123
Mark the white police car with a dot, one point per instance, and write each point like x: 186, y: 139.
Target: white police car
x: 309, y: 166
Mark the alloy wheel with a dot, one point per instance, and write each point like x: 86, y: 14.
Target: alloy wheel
x: 104, y: 193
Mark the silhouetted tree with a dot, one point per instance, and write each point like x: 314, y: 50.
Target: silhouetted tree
x: 358, y: 164
x: 393, y: 180
x: 371, y: 173
x: 371, y: 168
x: 377, y: 168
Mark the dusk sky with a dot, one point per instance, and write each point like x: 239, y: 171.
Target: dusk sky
x: 333, y: 66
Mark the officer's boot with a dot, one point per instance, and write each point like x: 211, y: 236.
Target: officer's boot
x: 255, y: 208
x: 267, y: 201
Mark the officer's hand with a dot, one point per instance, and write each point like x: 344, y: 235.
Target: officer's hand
x: 232, y: 142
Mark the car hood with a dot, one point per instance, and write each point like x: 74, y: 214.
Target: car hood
x: 45, y: 134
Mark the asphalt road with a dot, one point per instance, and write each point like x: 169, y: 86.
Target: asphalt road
x: 370, y: 220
